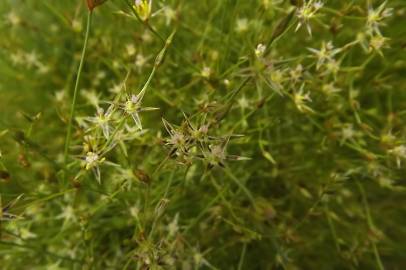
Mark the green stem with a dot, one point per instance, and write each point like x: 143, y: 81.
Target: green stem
x: 241, y: 262
x: 103, y: 151
x: 42, y: 252
x: 332, y: 228
x: 240, y: 185
x: 47, y: 198
x: 75, y: 92
x: 371, y: 225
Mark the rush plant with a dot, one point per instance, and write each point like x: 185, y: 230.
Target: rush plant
x: 186, y: 134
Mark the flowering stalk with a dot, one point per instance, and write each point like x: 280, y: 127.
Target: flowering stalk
x: 75, y: 92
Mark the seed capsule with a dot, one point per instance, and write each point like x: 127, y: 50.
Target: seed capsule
x: 91, y: 4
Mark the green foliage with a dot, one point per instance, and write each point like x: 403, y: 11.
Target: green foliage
x: 186, y: 134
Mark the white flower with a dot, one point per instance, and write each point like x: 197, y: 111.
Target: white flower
x: 26, y: 234
x: 173, y: 227
x: 399, y: 152
x: 260, y: 50
x: 169, y: 14
x: 102, y: 120
x: 132, y: 106
x: 31, y: 59
x: 77, y: 25
x: 306, y: 13
x: 134, y: 211
x: 147, y: 37
x: 206, y: 72
x: 17, y: 58
x: 60, y: 96
x: 300, y: 99
x: 243, y: 102
x: 43, y: 69
x: 332, y: 67
x: 130, y: 48
x: 116, y: 88
x: 330, y: 89
x: 375, y: 17
x: 241, y: 25
x: 68, y: 213
x: 347, y: 133
x: 177, y: 140
x: 92, y: 162
x: 140, y: 61
x: 13, y: 18
x: 326, y: 53
x: 100, y: 75
x: 92, y: 97
x: 377, y: 43
x: 198, y: 258
x: 297, y: 73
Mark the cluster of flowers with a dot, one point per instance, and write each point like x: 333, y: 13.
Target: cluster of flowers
x: 189, y: 142
x: 293, y: 81
x: 111, y: 127
x: 375, y: 20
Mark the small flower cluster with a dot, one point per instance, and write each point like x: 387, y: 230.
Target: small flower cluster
x: 325, y: 55
x: 111, y: 127
x: 373, y: 40
x: 307, y: 12
x: 301, y: 98
x: 323, y: 107
x: 108, y: 128
x: 188, y: 142
x: 29, y: 60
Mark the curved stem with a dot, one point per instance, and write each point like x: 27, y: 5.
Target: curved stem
x: 75, y: 92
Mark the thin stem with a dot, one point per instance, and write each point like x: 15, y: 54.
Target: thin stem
x: 371, y: 225
x: 50, y: 197
x: 332, y: 228
x: 75, y: 92
x: 222, y: 114
x: 240, y: 185
x: 105, y: 148
x: 153, y: 226
x: 241, y: 262
x: 35, y: 249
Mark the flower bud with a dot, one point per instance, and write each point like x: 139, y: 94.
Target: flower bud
x: 91, y: 4
x: 143, y: 8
